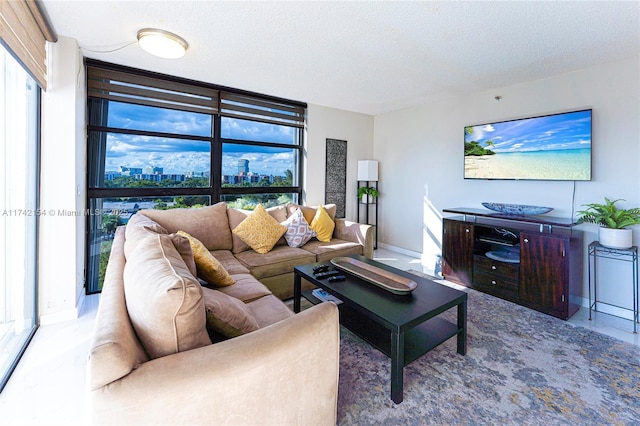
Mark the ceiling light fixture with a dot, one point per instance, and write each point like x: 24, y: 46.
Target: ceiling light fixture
x: 162, y: 43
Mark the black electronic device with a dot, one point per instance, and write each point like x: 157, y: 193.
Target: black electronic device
x: 336, y: 278
x: 320, y: 268
x: 327, y: 274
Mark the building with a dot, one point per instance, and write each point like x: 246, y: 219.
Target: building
x: 130, y: 171
x: 243, y: 167
x: 152, y: 170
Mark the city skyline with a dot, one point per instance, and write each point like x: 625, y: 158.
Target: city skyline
x: 126, y: 170
x: 176, y: 155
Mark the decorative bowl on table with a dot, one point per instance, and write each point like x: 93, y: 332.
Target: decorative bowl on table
x: 380, y: 277
x: 517, y: 209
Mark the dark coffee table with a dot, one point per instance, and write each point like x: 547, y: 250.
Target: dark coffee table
x: 403, y: 327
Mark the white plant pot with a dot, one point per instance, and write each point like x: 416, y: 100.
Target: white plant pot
x: 616, y: 238
x: 367, y: 199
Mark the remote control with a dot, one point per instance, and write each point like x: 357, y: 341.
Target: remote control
x: 327, y: 274
x: 320, y: 268
x: 335, y: 278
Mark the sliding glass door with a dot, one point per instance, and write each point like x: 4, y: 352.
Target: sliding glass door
x: 19, y: 136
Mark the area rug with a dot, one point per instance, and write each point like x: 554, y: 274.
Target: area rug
x: 522, y: 367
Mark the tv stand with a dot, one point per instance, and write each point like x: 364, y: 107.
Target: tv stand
x: 532, y: 260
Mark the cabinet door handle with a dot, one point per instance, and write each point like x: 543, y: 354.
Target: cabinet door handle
x: 493, y: 267
x: 526, y: 240
x: 493, y: 282
x: 467, y: 230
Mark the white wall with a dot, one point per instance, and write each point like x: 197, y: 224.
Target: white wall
x: 62, y: 186
x: 422, y: 149
x: 329, y: 123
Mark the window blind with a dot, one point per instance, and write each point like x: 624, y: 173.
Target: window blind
x: 144, y: 90
x: 115, y: 84
x: 24, y: 29
x: 264, y: 110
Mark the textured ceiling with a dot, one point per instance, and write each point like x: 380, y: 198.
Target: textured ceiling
x: 369, y: 57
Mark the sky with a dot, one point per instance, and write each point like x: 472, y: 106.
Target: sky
x: 548, y: 133
x: 181, y: 156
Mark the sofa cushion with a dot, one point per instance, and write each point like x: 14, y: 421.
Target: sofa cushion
x: 236, y: 216
x: 227, y: 315
x: 164, y: 300
x: 279, y: 213
x: 298, y: 230
x: 208, y: 224
x: 229, y: 262
x: 335, y: 248
x: 280, y: 260
x: 139, y: 227
x: 144, y: 221
x: 208, y: 267
x: 269, y: 310
x: 309, y: 212
x: 323, y: 224
x: 246, y: 288
x: 260, y: 230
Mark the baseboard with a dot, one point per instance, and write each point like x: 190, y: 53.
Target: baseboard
x: 66, y: 315
x: 405, y: 252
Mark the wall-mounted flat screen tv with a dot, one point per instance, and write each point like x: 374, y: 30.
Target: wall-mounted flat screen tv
x: 550, y: 147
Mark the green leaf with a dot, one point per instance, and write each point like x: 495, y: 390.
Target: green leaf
x: 608, y: 215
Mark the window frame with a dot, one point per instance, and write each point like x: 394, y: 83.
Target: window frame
x: 31, y: 212
x: 230, y: 102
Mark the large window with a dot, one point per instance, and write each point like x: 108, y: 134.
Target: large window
x: 19, y: 123
x: 160, y: 142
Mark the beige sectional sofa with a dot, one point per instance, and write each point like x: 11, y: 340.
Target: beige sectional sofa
x: 168, y: 350
x: 214, y: 224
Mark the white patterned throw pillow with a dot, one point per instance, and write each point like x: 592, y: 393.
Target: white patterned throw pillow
x: 298, y: 230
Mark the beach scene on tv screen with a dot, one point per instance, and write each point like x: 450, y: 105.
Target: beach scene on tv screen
x: 553, y: 147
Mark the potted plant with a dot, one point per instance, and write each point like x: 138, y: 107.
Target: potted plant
x: 367, y: 193
x: 613, y: 222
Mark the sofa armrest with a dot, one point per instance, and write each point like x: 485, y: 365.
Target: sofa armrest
x: 357, y: 233
x: 286, y: 373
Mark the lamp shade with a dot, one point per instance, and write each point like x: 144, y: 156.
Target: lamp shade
x: 368, y: 170
x: 162, y: 43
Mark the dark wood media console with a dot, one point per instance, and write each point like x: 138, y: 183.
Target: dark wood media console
x: 534, y: 260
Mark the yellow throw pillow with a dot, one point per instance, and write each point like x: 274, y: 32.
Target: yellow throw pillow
x: 260, y: 230
x: 323, y: 225
x: 209, y: 269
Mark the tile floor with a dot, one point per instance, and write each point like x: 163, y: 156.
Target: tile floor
x: 47, y: 387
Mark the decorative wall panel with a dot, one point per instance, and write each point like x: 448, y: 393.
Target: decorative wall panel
x: 335, y: 191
